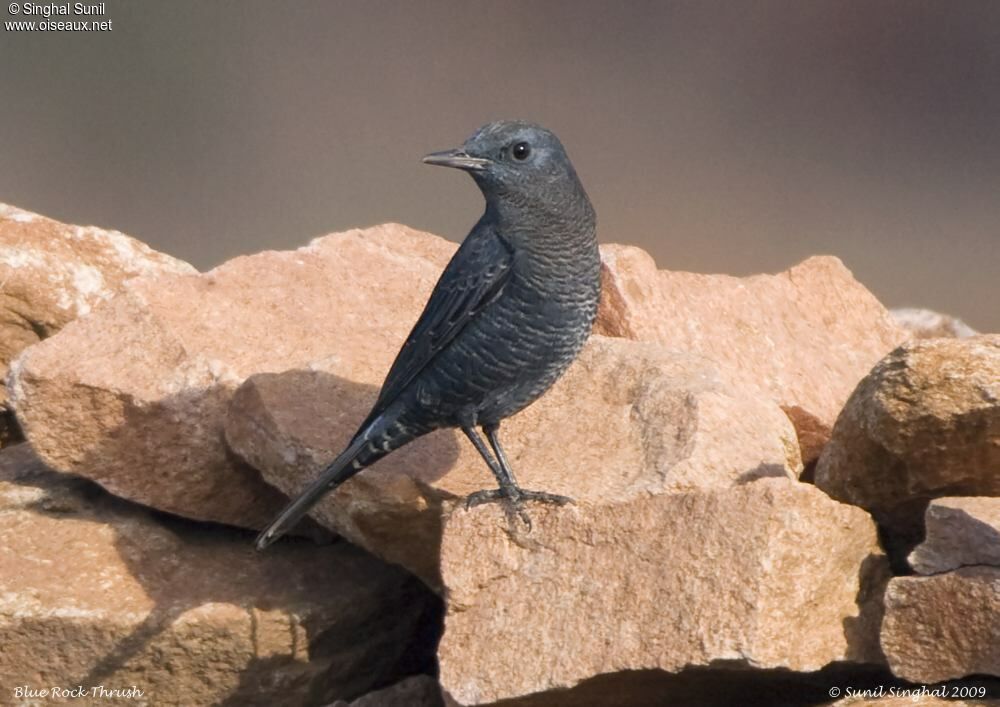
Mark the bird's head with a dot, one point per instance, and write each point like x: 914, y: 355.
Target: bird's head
x: 513, y: 159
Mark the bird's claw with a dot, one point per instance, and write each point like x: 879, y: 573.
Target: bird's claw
x: 513, y: 500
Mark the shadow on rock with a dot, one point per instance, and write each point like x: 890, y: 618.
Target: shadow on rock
x: 723, y: 686
x: 301, y: 624
x: 10, y: 431
x: 290, y: 425
x: 862, y: 631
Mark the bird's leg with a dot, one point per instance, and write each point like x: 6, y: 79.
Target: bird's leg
x: 509, y: 493
x: 508, y: 487
x: 540, y: 496
x: 491, y: 434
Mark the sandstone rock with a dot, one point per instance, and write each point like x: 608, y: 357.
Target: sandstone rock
x: 812, y: 435
x: 94, y: 591
x: 960, y: 531
x: 626, y: 421
x: 803, y: 337
x: 943, y: 627
x: 927, y: 324
x: 924, y: 423
x: 133, y: 396
x: 763, y: 575
x: 51, y: 273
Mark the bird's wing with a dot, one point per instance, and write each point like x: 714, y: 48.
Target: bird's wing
x: 475, y: 276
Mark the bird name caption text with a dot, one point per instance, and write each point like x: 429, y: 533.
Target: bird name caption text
x: 84, y: 17
x: 79, y: 692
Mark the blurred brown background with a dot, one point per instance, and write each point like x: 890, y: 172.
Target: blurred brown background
x: 733, y: 137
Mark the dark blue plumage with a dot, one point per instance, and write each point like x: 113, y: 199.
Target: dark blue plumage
x: 511, y: 311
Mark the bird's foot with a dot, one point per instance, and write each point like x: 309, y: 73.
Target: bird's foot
x: 513, y: 499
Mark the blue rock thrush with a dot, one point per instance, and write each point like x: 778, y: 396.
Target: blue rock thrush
x: 511, y: 311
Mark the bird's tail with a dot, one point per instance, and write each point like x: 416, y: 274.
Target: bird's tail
x: 337, y: 472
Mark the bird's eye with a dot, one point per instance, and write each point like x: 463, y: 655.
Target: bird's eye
x: 521, y: 151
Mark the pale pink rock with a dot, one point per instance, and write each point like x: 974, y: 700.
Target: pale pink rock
x: 924, y: 423
x: 765, y: 575
x: 928, y: 324
x: 812, y: 435
x: 96, y: 591
x: 626, y: 421
x: 803, y: 337
x: 52, y: 273
x: 133, y: 396
x: 959, y: 531
x: 943, y: 627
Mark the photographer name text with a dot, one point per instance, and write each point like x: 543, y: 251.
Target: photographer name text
x: 67, y: 9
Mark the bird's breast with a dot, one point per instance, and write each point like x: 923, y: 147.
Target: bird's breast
x: 541, y: 320
x: 520, y: 343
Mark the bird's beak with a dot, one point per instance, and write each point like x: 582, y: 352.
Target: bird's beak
x: 458, y: 159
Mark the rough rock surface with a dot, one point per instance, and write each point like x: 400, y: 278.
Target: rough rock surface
x: 144, y: 383
x: 51, y: 273
x: 927, y: 324
x: 960, y: 531
x: 627, y: 420
x: 766, y: 575
x: 943, y: 627
x: 803, y: 337
x: 812, y: 435
x: 924, y: 423
x: 133, y: 396
x: 95, y: 591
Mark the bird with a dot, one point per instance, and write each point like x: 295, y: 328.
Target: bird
x: 510, y: 312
